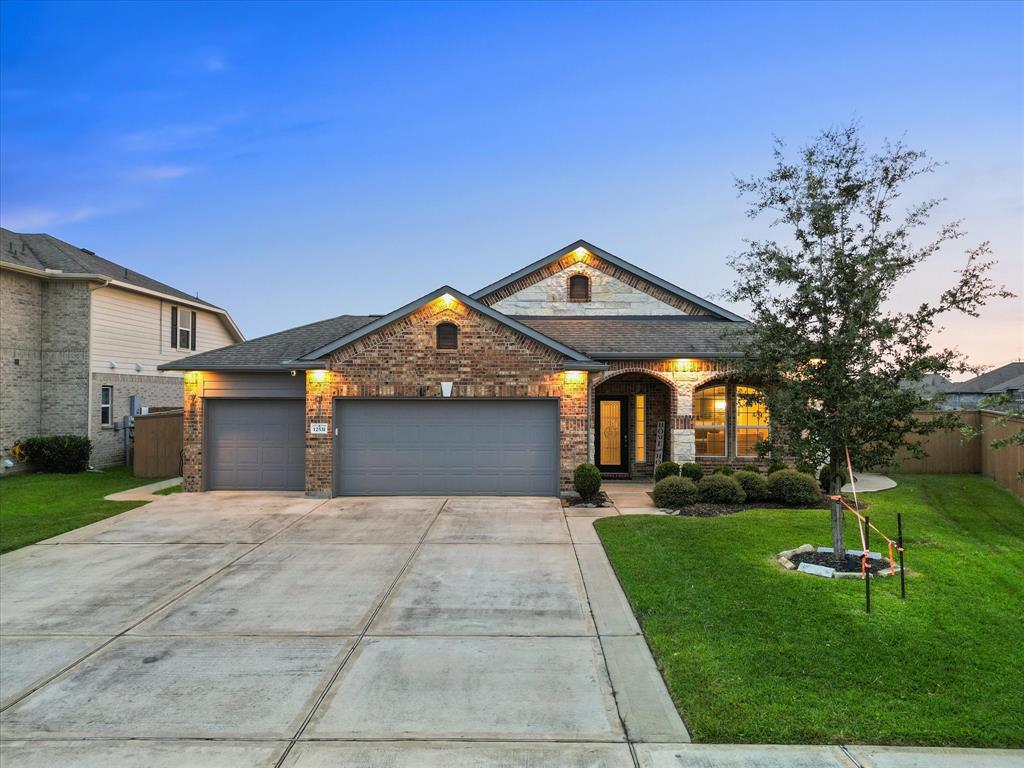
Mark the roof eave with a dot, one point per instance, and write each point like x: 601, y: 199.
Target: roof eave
x: 290, y: 365
x: 666, y: 355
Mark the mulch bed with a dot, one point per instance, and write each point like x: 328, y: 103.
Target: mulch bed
x: 849, y: 563
x: 703, y: 509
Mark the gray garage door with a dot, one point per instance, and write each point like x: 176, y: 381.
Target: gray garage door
x: 255, y: 445
x: 431, y: 447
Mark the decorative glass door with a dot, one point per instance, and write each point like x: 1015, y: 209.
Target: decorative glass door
x: 611, y: 434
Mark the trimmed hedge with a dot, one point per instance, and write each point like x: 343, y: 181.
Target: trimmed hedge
x: 587, y: 481
x: 787, y: 486
x: 674, y: 492
x: 754, y: 485
x: 665, y: 469
x: 66, y: 454
x: 720, y: 489
x: 691, y: 470
x: 775, y: 465
x: 725, y: 469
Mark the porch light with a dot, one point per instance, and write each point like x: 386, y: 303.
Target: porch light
x: 318, y: 375
x: 683, y: 364
x: 574, y: 376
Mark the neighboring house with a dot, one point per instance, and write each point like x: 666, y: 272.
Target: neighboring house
x: 580, y: 356
x: 951, y: 395
x: 79, y: 335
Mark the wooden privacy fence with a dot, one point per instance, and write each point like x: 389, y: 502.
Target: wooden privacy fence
x: 157, y: 444
x: 949, y: 453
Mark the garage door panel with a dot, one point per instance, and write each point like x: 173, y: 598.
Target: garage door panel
x: 446, y: 447
x: 255, y: 444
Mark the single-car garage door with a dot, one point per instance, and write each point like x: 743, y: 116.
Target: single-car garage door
x: 440, y: 447
x: 255, y: 445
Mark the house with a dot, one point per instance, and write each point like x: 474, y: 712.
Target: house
x: 80, y: 335
x: 580, y: 356
x: 1005, y: 380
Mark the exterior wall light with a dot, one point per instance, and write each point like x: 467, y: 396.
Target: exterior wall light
x: 683, y: 364
x: 447, y: 300
x: 191, y: 377
x: 574, y: 376
x: 318, y: 375
x: 580, y: 253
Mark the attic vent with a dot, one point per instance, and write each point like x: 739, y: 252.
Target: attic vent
x: 86, y: 250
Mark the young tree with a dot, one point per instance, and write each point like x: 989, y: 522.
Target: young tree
x: 828, y: 352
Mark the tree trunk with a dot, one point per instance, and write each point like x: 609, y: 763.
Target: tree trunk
x: 838, y: 546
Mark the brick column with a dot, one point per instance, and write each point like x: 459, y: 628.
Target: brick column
x: 320, y: 448
x: 192, y: 424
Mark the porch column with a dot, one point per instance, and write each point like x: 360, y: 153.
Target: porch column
x: 684, y: 447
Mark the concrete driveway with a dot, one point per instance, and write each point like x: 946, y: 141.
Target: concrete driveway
x: 239, y: 629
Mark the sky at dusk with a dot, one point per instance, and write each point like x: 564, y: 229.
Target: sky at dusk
x: 292, y: 162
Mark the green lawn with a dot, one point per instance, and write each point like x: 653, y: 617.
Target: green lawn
x: 754, y: 653
x: 34, y: 507
x: 168, y: 491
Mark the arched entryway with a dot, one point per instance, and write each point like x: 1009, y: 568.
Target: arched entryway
x: 631, y: 415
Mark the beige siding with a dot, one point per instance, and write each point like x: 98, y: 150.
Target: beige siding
x: 129, y: 328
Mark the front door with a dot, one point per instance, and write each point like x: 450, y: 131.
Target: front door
x: 610, y: 437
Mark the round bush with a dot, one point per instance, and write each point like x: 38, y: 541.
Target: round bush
x: 674, y: 492
x: 665, y: 469
x: 58, y: 453
x: 587, y: 481
x: 720, y: 489
x: 691, y: 470
x: 753, y: 485
x: 823, y: 479
x: 725, y: 469
x: 775, y: 465
x: 787, y: 486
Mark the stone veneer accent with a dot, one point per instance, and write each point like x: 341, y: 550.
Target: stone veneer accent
x: 613, y: 291
x: 401, y: 360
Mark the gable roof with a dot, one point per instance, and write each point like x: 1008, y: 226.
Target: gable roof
x: 273, y: 352
x: 643, y: 274
x: 619, y: 337
x: 47, y: 257
x: 573, y: 355
x: 1017, y: 382
x: 988, y: 382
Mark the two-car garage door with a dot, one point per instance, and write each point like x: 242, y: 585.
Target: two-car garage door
x: 389, y: 447
x: 435, y: 446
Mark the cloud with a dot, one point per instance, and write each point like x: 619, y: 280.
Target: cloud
x: 159, y: 173
x: 37, y: 218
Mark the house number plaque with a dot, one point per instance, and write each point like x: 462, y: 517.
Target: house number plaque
x: 318, y: 428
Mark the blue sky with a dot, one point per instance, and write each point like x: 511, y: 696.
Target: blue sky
x: 297, y: 161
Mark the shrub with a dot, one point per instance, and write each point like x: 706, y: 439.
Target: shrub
x: 823, y: 479
x: 665, y: 469
x: 720, y: 489
x: 587, y: 481
x: 775, y: 465
x: 673, y: 492
x: 691, y: 470
x: 59, y: 453
x: 787, y: 486
x: 753, y: 484
x: 725, y: 469
x: 806, y: 467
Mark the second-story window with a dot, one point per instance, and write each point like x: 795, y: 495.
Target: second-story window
x: 183, y: 328
x: 579, y: 288
x: 447, y: 336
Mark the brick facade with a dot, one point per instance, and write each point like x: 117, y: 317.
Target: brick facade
x: 44, y: 358
x: 401, y: 360
x: 156, y: 392
x: 192, y: 424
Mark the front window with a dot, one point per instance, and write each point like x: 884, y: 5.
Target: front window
x: 640, y: 440
x: 709, y: 407
x: 106, y: 404
x: 751, y: 421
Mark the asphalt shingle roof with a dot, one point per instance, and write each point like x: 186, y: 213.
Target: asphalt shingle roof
x: 47, y: 252
x: 268, y: 352
x: 643, y: 336
x: 988, y: 382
